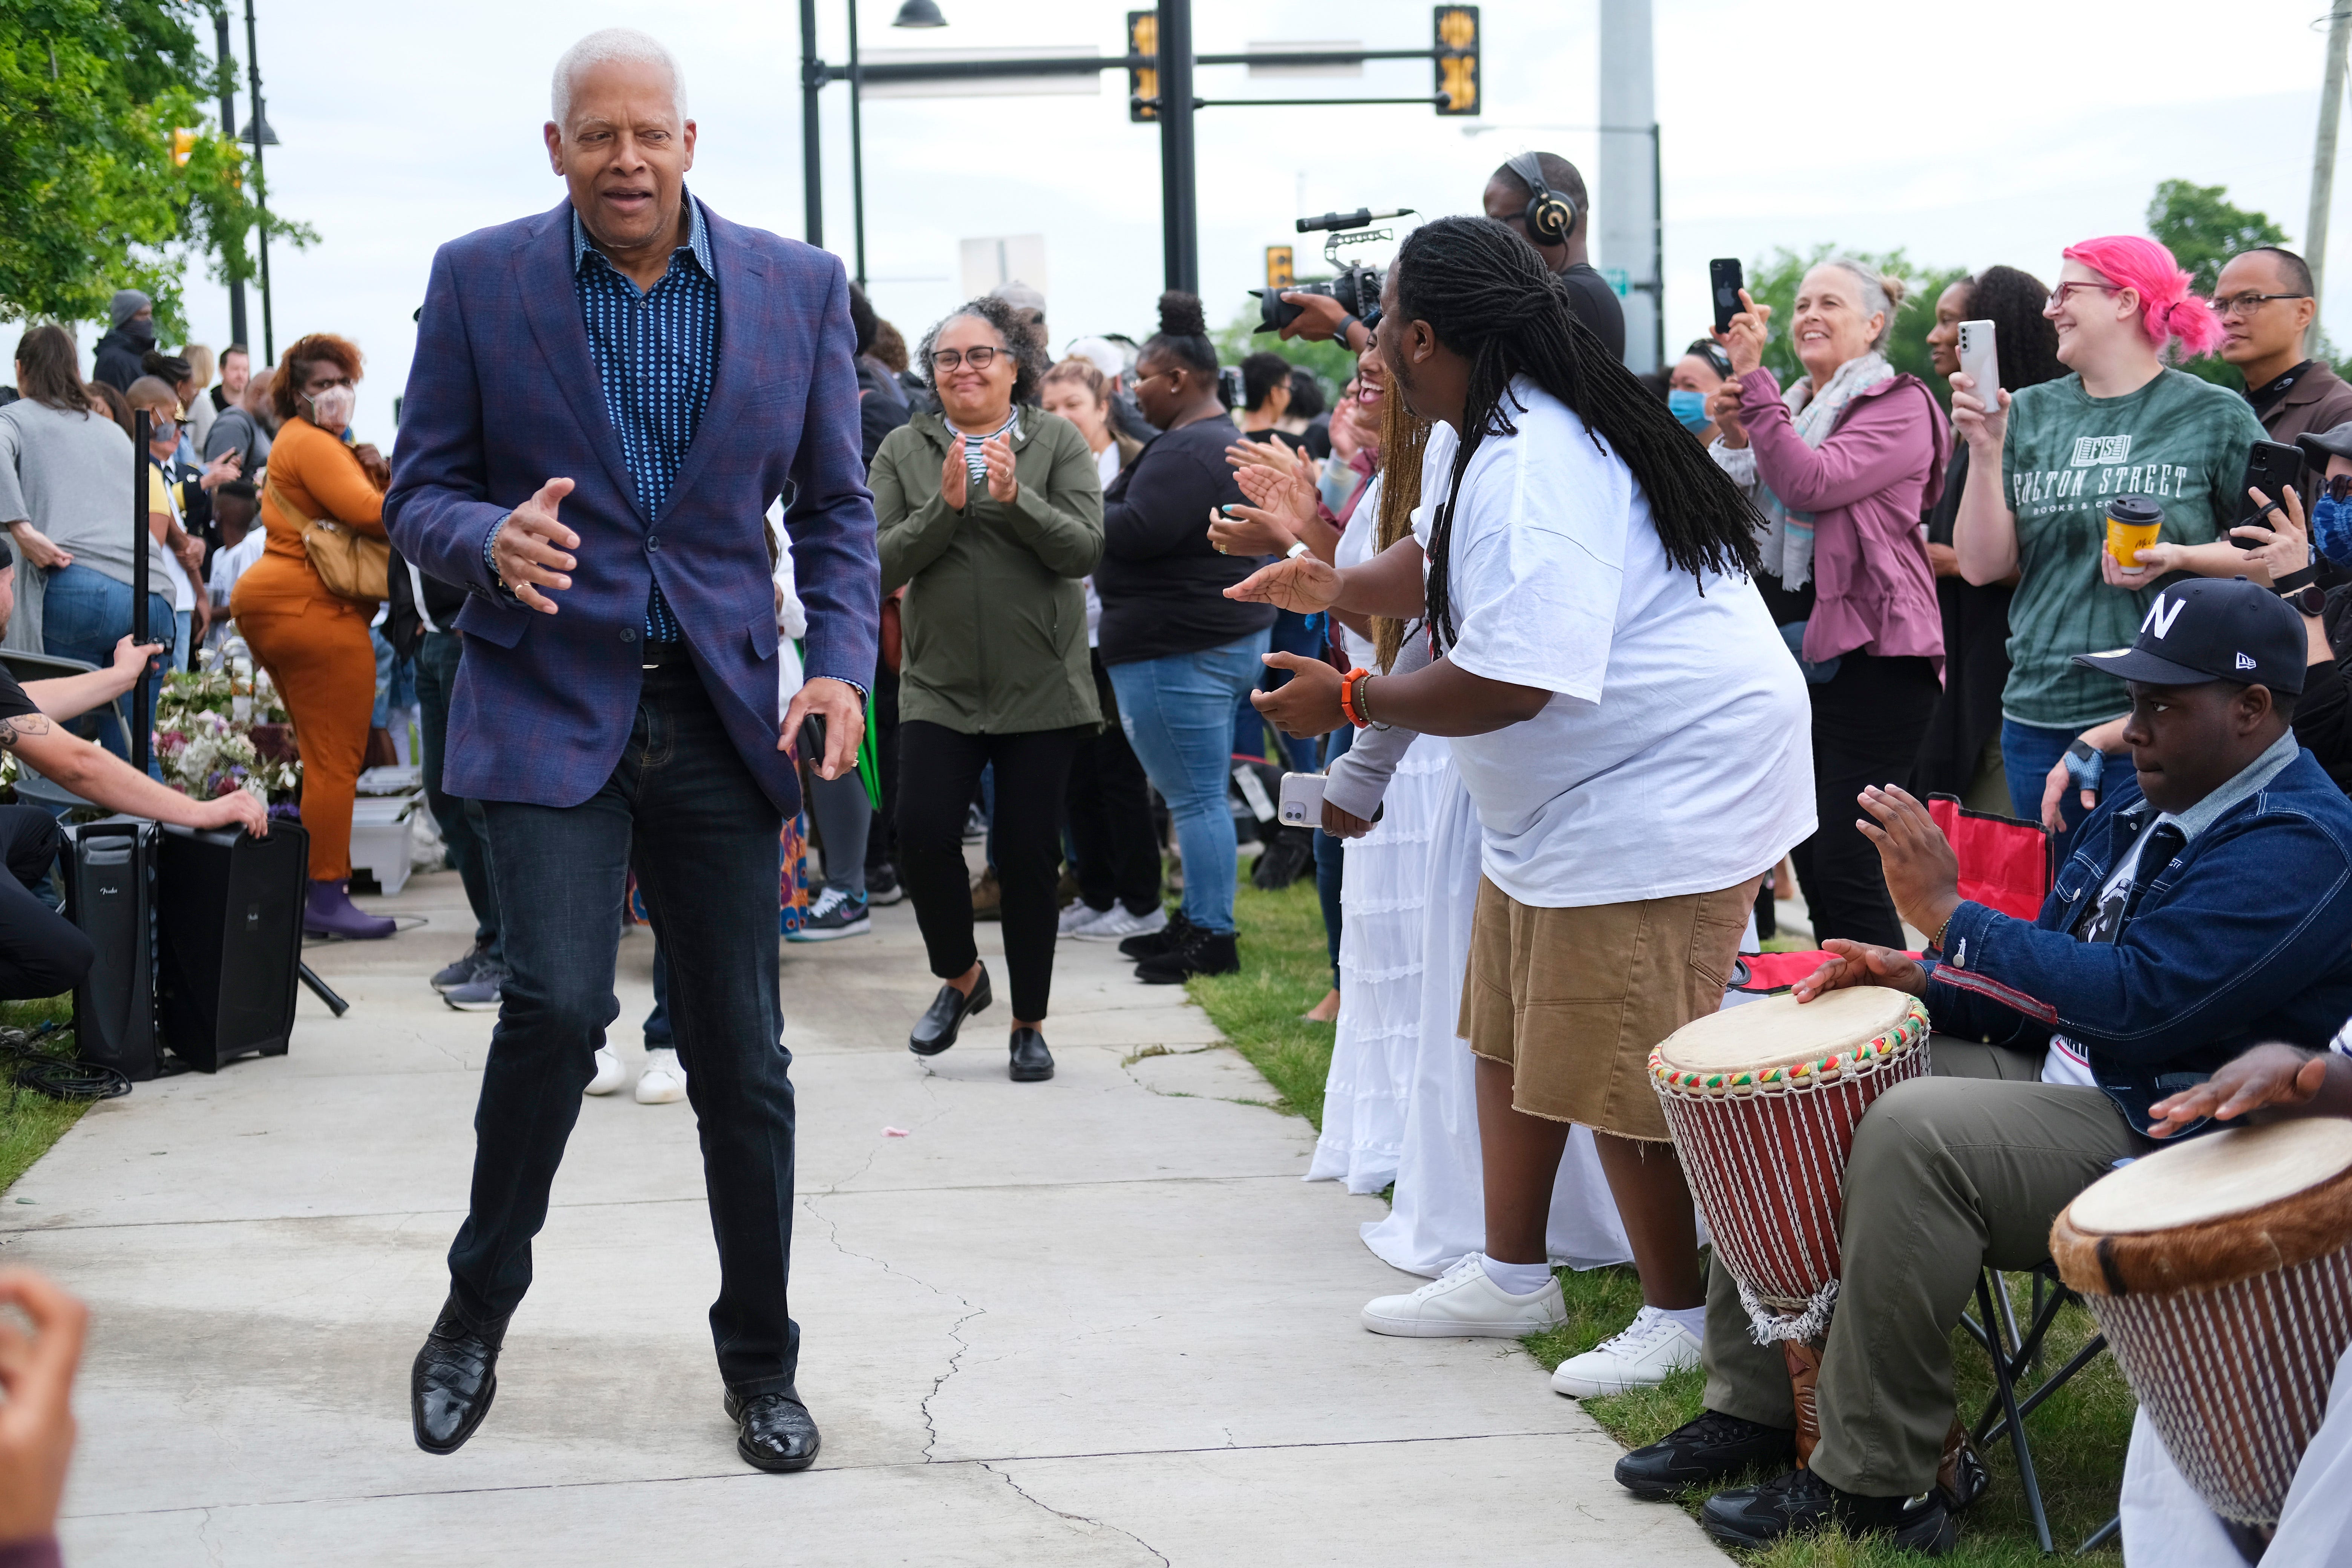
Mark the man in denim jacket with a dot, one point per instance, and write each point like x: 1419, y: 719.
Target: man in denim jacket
x: 2204, y: 911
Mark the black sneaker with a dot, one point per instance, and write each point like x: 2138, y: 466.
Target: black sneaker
x: 1707, y: 1451
x: 464, y: 970
x: 1152, y: 943
x: 883, y: 888
x: 1801, y: 1502
x: 1201, y: 952
x: 837, y: 912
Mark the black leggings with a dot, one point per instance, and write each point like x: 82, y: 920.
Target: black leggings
x: 1868, y: 722
x: 41, y: 953
x: 938, y: 770
x: 1110, y: 815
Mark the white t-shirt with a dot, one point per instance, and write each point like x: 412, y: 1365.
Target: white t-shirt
x: 1356, y: 546
x: 231, y: 563
x: 1676, y: 754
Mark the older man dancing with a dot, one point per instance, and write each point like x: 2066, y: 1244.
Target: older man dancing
x: 658, y: 375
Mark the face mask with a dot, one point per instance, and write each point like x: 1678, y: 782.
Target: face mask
x: 332, y: 408
x: 1688, y: 408
x: 164, y: 433
x: 2331, y: 530
x: 142, y: 332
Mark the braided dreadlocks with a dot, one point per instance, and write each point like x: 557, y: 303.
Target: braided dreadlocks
x: 1403, y: 439
x: 1488, y: 297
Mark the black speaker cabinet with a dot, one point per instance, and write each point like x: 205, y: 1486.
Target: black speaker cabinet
x: 109, y: 894
x: 228, y: 940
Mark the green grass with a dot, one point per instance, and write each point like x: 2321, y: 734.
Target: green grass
x: 1285, y: 970
x: 30, y: 1122
x: 2078, y: 1436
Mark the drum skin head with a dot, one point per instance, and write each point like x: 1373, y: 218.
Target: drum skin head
x: 2207, y: 1213
x: 1780, y: 1032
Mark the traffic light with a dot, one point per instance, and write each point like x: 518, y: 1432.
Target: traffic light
x: 1280, y: 269
x: 1142, y: 81
x: 183, y: 147
x: 1457, y: 58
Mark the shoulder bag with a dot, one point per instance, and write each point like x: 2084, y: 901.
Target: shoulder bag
x: 350, y: 565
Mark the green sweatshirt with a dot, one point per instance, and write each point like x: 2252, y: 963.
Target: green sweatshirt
x: 2178, y: 439
x: 995, y: 614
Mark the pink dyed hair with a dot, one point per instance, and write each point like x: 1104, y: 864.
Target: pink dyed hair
x: 2167, y: 307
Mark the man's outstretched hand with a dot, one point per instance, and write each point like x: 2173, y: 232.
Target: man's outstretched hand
x: 1923, y: 874
x: 531, y: 550
x: 1307, y: 703
x: 2268, y: 1078
x: 844, y: 713
x: 1859, y: 964
x: 1304, y: 583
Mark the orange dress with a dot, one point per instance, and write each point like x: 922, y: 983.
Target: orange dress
x: 314, y: 645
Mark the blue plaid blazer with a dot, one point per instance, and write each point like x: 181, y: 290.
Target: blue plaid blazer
x: 503, y: 396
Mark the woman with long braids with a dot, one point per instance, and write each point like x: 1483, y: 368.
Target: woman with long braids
x: 1629, y: 728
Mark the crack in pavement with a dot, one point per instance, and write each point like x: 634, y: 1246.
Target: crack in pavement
x: 1076, y: 1518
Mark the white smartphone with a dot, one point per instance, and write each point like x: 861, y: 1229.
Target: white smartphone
x: 1979, y: 362
x: 1302, y: 800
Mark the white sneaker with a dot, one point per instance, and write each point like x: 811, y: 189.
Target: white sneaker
x: 610, y: 1074
x: 663, y: 1079
x: 1651, y: 1346
x: 1463, y: 1303
x: 1078, y: 915
x: 1115, y: 924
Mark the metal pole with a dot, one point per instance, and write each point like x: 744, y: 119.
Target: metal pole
x: 1658, y: 239
x: 857, y: 151
x: 812, y: 145
x: 143, y: 701
x: 260, y: 186
x: 1180, y: 224
x: 1623, y: 225
x: 228, y: 129
x: 2323, y: 156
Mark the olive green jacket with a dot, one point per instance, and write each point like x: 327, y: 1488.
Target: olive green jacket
x: 996, y: 614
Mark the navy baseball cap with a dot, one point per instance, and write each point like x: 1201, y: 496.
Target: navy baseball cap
x: 2210, y: 628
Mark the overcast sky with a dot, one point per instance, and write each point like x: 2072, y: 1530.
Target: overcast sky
x: 1996, y: 138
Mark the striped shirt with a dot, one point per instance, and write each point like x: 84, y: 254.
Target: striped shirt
x: 656, y: 351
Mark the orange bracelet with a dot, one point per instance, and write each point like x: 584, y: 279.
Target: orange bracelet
x: 1347, y: 684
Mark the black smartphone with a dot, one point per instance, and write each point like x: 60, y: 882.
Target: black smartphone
x: 1725, y: 280
x: 2270, y: 467
x: 813, y: 739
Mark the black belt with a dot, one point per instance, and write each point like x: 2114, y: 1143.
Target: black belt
x: 660, y: 654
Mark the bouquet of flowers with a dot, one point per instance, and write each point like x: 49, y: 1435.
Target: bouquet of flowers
x: 205, y: 738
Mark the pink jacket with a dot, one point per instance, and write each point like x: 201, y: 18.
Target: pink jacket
x: 1867, y: 487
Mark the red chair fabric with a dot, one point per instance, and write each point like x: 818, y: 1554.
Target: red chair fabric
x: 2004, y: 862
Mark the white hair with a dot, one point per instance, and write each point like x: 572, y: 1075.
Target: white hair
x: 608, y: 46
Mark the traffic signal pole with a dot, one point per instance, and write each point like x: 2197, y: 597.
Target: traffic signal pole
x: 1180, y: 222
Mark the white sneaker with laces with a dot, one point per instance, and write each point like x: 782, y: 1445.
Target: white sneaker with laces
x: 1651, y: 1346
x: 664, y: 1080
x: 1078, y: 915
x: 1462, y: 1303
x: 610, y: 1074
x: 1115, y: 924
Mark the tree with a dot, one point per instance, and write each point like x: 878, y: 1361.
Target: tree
x: 1330, y: 363
x: 100, y: 188
x: 1776, y: 285
x: 2203, y: 231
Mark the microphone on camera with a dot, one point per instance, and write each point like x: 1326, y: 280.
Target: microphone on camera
x: 1357, y: 219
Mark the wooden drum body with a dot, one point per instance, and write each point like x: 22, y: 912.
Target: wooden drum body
x: 1763, y: 1100
x: 2219, y: 1271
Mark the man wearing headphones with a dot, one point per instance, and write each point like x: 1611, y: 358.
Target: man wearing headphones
x: 1542, y: 195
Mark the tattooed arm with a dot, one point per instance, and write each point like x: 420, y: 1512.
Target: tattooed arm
x: 104, y: 779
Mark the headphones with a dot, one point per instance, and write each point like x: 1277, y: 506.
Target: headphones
x: 1550, y: 215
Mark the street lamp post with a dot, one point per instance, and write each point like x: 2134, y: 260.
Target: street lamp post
x: 228, y: 129
x: 261, y: 135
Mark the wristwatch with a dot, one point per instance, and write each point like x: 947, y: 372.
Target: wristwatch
x: 2309, y: 598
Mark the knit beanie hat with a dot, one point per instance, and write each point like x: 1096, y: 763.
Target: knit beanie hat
x: 128, y: 303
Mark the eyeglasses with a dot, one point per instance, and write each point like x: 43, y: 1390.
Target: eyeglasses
x: 978, y: 359
x: 2246, y: 304
x: 2058, y: 295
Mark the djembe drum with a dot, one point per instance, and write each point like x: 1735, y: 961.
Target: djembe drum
x: 1762, y: 1099
x: 2220, y: 1273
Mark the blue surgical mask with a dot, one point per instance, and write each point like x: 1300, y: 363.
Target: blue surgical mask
x: 2331, y: 529
x: 1687, y: 406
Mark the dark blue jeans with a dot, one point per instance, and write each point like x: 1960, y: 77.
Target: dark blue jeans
x: 683, y: 812
x: 462, y: 824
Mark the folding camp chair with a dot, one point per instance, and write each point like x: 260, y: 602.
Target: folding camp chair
x: 32, y: 788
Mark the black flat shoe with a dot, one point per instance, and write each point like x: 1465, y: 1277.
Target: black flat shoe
x: 453, y: 1382
x: 935, y: 1031
x: 773, y: 1432
x: 1032, y: 1062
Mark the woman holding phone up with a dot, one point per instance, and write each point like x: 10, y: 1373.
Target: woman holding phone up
x: 991, y: 514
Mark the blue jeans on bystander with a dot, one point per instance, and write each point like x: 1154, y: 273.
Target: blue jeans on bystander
x: 1178, y: 713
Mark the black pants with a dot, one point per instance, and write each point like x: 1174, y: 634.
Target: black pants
x: 937, y: 768
x: 683, y: 811
x: 41, y: 953
x: 882, y: 843
x: 1868, y: 721
x: 437, y: 657
x: 1110, y: 815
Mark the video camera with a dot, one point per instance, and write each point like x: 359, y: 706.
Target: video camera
x: 1357, y: 287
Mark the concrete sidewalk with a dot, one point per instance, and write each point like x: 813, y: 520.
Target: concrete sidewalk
x: 1096, y: 1320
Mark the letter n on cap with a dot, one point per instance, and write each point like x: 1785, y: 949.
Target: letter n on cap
x: 2162, y: 613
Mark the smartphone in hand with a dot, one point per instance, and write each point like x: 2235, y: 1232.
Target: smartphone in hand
x: 2270, y: 467
x: 1725, y: 280
x: 1980, y: 361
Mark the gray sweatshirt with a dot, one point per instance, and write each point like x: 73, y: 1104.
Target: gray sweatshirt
x: 69, y: 476
x: 1360, y: 778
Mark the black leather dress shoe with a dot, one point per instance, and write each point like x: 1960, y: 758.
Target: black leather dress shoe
x: 454, y: 1379
x: 1709, y: 1451
x: 773, y: 1431
x: 1032, y: 1062
x: 935, y: 1031
x: 1801, y: 1502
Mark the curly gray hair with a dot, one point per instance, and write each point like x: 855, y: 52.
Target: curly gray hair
x: 1013, y: 329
